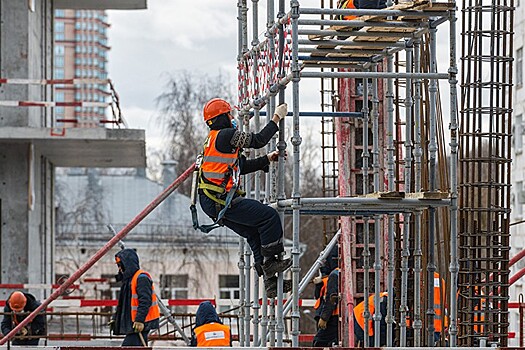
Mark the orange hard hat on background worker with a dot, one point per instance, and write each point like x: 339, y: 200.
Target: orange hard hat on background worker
x: 17, y: 301
x: 215, y: 107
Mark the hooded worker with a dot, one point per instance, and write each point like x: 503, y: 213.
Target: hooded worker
x: 209, y: 330
x: 327, y: 302
x: 137, y: 310
x: 18, y: 306
x: 219, y: 173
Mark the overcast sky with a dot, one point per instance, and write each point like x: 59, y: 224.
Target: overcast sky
x: 197, y: 36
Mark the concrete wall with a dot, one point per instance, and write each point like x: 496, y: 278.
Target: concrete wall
x: 26, y: 177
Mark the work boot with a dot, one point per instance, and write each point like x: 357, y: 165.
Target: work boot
x: 273, y: 266
x: 270, y: 285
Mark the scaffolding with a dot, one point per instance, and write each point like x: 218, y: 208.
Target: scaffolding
x: 406, y: 200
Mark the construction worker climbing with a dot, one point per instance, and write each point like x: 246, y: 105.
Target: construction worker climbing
x: 220, y: 198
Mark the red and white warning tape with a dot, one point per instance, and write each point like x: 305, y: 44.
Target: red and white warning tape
x: 34, y: 286
x: 78, y: 81
x: 53, y: 104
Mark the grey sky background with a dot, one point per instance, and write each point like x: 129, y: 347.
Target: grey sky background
x: 197, y: 36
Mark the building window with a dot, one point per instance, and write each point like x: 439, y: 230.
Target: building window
x: 519, y: 67
x: 520, y: 199
x: 59, y: 110
x: 59, y: 27
x: 59, y: 36
x: 59, y: 73
x: 60, y: 13
x: 229, y: 287
x: 59, y: 50
x: 59, y: 61
x: 60, y: 97
x: 174, y: 287
x: 518, y: 134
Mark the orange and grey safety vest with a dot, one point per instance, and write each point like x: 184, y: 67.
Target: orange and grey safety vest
x: 359, y: 311
x: 347, y: 4
x: 439, y: 294
x: 213, y: 334
x: 322, y: 294
x: 217, y: 167
x: 153, y: 312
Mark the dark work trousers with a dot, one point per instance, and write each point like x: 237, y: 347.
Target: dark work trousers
x: 251, y: 219
x: 133, y: 339
x: 329, y: 336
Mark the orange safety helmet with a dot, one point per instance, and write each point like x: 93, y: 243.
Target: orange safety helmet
x: 17, y: 301
x: 215, y: 107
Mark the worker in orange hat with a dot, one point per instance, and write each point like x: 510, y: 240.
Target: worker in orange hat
x: 18, y: 306
x: 222, y: 165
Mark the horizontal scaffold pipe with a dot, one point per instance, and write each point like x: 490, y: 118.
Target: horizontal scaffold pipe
x: 371, y: 12
x: 78, y: 81
x: 346, y: 43
x: 368, y: 203
x: 393, y: 75
x: 355, y: 23
x: 309, y: 60
x: 323, y: 114
x: 100, y: 253
x: 333, y: 211
x: 329, y: 32
x: 343, y: 51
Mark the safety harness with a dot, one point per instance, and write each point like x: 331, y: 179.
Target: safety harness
x: 214, y: 192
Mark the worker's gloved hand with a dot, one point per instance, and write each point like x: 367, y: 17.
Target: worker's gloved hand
x: 138, y: 327
x: 321, y: 324
x: 111, y: 325
x: 23, y: 332
x: 318, y: 279
x: 274, y: 156
x: 281, y: 111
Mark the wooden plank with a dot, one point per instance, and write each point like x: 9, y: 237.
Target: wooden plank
x: 428, y: 195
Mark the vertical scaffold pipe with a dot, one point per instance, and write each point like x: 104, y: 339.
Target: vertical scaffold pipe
x: 366, y: 231
x: 280, y: 185
x: 101, y: 252
x: 432, y: 149
x: 257, y: 175
x: 296, y: 193
x: 454, y: 263
x: 418, y: 152
x: 377, y: 218
x: 242, y: 48
x: 391, y: 179
x: 408, y: 178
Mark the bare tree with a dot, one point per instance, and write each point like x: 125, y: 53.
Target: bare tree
x: 180, y: 115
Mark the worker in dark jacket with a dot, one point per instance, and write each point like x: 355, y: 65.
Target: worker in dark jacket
x: 327, y: 302
x: 219, y: 173
x: 16, y: 309
x: 209, y: 330
x: 137, y: 309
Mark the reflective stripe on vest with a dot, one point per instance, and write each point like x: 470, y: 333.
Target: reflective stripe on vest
x: 154, y: 311
x: 215, y: 164
x: 322, y: 294
x: 359, y: 313
x: 212, y: 334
